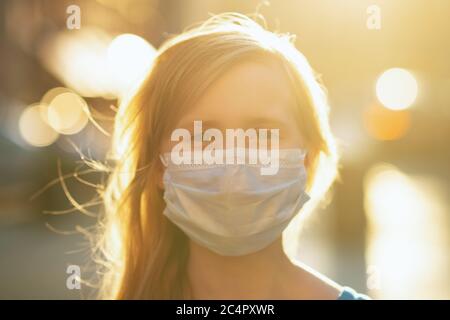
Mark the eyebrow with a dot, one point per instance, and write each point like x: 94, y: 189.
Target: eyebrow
x: 206, y: 124
x: 258, y: 122
x: 264, y: 122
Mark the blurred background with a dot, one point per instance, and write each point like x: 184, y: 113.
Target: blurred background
x: 63, y: 64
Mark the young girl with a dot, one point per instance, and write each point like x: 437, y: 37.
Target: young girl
x: 214, y: 230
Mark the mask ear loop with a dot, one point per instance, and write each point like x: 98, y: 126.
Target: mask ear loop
x: 305, y: 153
x: 305, y: 157
x: 163, y: 160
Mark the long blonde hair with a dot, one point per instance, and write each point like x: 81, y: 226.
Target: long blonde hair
x: 144, y: 254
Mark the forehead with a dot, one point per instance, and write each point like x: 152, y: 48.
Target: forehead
x: 251, y: 93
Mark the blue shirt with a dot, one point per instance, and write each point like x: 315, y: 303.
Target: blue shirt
x: 348, y: 293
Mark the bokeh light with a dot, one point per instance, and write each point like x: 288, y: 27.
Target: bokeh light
x: 67, y: 112
x: 78, y: 59
x: 396, y: 89
x: 34, y: 129
x: 385, y: 124
x: 128, y: 58
x: 51, y: 94
x: 407, y: 222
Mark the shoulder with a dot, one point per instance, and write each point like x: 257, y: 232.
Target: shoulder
x: 317, y: 286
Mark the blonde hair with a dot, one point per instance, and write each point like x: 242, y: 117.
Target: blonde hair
x: 145, y: 255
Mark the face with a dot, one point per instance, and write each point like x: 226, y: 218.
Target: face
x: 256, y: 94
x: 251, y: 95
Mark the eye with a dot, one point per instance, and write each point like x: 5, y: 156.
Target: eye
x: 268, y: 133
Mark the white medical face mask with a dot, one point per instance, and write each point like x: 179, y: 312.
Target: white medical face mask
x: 232, y: 209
